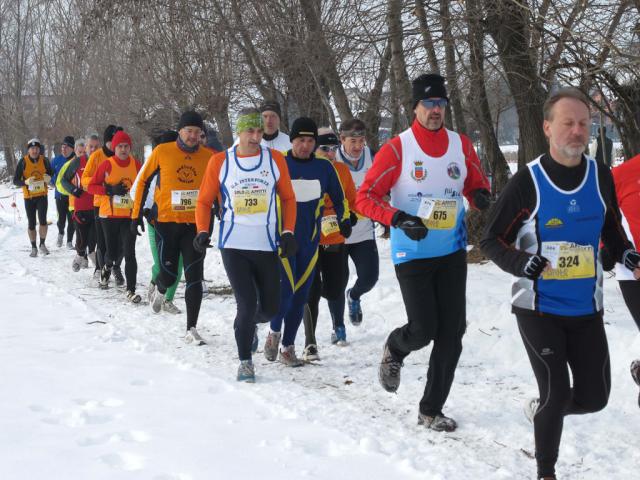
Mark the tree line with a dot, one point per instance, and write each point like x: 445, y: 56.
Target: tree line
x: 74, y: 66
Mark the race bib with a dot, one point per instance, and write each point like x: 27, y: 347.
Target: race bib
x: 122, y: 201
x: 329, y: 225
x: 184, y: 200
x: 250, y: 201
x: 37, y: 186
x: 438, y: 213
x: 569, y: 261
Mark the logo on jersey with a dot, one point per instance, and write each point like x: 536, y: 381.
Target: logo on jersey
x: 554, y: 223
x: 419, y: 173
x: 264, y: 173
x: 453, y: 170
x: 186, y: 174
x: 573, y: 206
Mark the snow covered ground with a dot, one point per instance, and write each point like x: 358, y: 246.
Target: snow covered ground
x: 95, y: 388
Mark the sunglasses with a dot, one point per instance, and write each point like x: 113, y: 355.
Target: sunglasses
x: 433, y: 103
x: 329, y: 148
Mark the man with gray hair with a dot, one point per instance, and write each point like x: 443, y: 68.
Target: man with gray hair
x: 545, y: 229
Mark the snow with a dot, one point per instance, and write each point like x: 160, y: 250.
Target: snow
x: 128, y: 399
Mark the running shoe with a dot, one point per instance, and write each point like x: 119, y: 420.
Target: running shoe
x: 193, y: 337
x: 271, y: 346
x: 117, y: 275
x: 635, y: 373
x: 70, y: 246
x: 77, y: 262
x: 289, y: 358
x: 310, y: 353
x: 389, y: 371
x: 43, y: 249
x: 157, y: 299
x: 150, y: 290
x: 339, y: 336
x: 246, y: 372
x: 34, y: 252
x: 355, y: 312
x: 439, y: 423
x: 59, y: 241
x: 169, y: 307
x: 92, y: 257
x: 133, y: 297
x: 530, y: 408
x: 105, y: 274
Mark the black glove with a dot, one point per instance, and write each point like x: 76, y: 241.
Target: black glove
x: 482, y: 198
x: 608, y: 262
x: 345, y: 228
x: 133, y: 226
x: 288, y: 245
x: 353, y: 218
x: 534, y: 266
x: 631, y: 259
x: 201, y: 242
x: 117, y: 189
x: 77, y: 192
x: 411, y: 225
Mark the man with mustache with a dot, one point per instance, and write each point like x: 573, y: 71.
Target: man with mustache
x: 545, y: 229
x: 427, y: 169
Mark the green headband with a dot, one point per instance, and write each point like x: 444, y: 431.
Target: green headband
x: 251, y: 120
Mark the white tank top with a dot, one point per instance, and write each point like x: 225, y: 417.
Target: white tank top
x: 364, y: 229
x: 249, y: 207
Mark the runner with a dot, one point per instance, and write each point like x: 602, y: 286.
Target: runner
x: 95, y: 159
x: 555, y: 213
x: 361, y: 245
x: 312, y: 178
x: 627, y: 181
x: 81, y: 202
x: 113, y: 180
x: 179, y: 167
x: 150, y: 213
x: 431, y: 269
x: 33, y: 173
x: 245, y: 180
x: 332, y: 273
x: 62, y: 200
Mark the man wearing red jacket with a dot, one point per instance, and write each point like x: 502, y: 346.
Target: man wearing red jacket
x: 627, y: 181
x: 427, y: 169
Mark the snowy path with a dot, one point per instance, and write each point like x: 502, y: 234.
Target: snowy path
x: 127, y: 399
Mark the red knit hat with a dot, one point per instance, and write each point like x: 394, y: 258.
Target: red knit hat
x: 120, y: 137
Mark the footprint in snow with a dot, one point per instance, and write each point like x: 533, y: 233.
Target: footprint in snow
x: 124, y: 461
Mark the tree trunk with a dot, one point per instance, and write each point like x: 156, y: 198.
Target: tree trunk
x: 507, y: 23
x: 399, y: 66
x: 324, y: 58
x: 371, y: 116
x: 495, y: 158
x: 427, y: 38
x: 450, y: 66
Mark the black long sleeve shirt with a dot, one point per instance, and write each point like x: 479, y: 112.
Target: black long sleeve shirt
x: 518, y: 200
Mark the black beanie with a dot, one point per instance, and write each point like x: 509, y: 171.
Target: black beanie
x: 428, y: 85
x: 303, y: 127
x: 69, y: 141
x: 109, y: 132
x: 329, y: 138
x: 190, y: 119
x: 271, y: 106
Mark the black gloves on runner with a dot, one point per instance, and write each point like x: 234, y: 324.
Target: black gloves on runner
x: 411, y: 225
x: 201, y: 242
x: 117, y: 189
x: 482, y: 198
x: 607, y: 260
x: 77, y: 192
x: 345, y: 228
x: 288, y: 245
x: 133, y: 226
x: 631, y: 259
x: 353, y: 217
x: 534, y: 267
